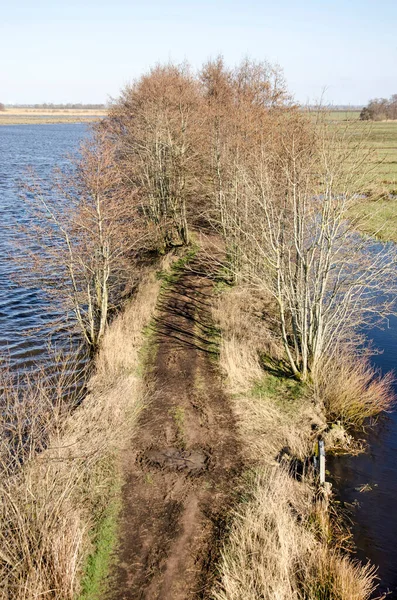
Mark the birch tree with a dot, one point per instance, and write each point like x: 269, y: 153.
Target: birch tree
x: 157, y: 124
x: 84, y: 228
x: 299, y: 242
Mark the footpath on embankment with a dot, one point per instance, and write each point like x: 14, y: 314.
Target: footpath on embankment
x: 182, y: 466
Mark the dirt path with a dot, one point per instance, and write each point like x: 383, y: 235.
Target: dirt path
x: 180, y: 475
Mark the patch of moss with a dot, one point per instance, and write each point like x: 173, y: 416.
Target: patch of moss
x: 279, y: 388
x: 104, y: 541
x: 148, y: 350
x: 178, y: 415
x: 170, y: 277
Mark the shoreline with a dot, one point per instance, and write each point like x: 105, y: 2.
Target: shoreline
x: 43, y: 117
x: 48, y: 121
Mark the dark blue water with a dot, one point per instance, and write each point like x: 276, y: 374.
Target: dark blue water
x: 375, y: 512
x: 24, y: 307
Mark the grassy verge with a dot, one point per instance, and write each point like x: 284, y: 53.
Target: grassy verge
x: 103, y: 541
x: 58, y: 512
x: 104, y: 535
x: 284, y: 541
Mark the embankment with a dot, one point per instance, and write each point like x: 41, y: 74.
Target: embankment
x: 182, y: 468
x: 287, y: 540
x: 58, y: 509
x: 19, y: 116
x: 184, y: 472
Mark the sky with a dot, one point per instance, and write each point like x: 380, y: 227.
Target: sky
x: 341, y: 51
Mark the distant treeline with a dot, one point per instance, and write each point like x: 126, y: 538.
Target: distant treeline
x: 380, y: 109
x: 59, y: 106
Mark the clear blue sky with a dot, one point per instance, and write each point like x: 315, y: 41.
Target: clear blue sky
x: 72, y: 51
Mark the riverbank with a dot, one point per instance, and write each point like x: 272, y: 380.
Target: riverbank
x: 60, y: 481
x: 377, y: 218
x: 187, y: 466
x: 285, y: 540
x: 36, y: 116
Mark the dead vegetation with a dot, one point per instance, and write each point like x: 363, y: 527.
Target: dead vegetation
x: 59, y: 468
x: 353, y: 392
x: 274, y: 411
x: 284, y: 542
x: 276, y: 550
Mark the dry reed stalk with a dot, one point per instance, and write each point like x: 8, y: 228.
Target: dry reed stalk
x: 353, y: 391
x: 274, y: 550
x: 245, y: 335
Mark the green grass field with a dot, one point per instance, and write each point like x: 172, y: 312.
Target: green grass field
x: 378, y: 218
x: 344, y: 115
x: 379, y: 212
x: 381, y: 137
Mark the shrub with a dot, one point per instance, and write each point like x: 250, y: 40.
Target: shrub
x: 274, y: 551
x: 353, y: 391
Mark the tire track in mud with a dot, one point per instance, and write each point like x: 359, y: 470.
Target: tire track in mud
x: 181, y: 470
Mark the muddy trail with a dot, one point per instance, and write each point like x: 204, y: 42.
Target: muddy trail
x: 181, y: 473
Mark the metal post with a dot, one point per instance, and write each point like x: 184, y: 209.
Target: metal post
x: 321, y: 455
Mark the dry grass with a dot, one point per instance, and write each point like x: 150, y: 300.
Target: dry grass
x: 51, y: 504
x: 283, y: 544
x: 352, y: 391
x: 56, y: 111
x: 273, y: 412
x: 274, y: 550
x: 269, y: 426
x: 245, y: 334
x: 37, y: 116
x: 118, y: 356
x: 266, y: 544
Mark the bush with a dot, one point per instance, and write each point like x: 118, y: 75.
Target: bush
x: 275, y: 549
x: 353, y: 391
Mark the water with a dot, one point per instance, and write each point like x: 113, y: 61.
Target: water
x: 375, y: 512
x: 24, y: 308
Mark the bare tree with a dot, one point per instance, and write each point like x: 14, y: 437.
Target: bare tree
x: 2, y: 107
x: 379, y: 109
x: 298, y: 243
x: 243, y: 105
x: 156, y: 123
x: 86, y: 227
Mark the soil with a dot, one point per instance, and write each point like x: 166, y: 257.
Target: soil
x: 184, y: 462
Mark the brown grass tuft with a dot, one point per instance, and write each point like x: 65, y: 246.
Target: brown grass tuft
x: 243, y: 317
x: 273, y: 412
x: 283, y: 543
x: 353, y: 391
x: 273, y: 550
